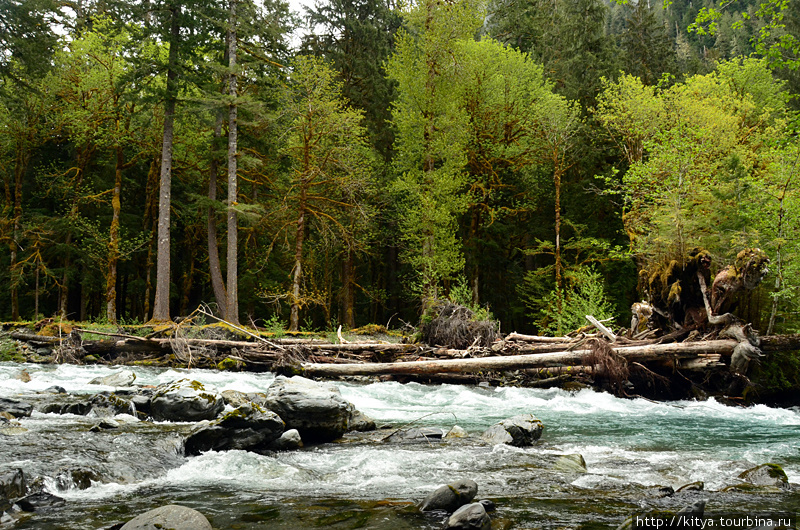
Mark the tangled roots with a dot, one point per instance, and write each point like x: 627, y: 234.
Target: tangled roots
x: 454, y: 326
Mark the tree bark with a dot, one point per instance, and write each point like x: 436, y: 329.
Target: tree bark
x: 233, y: 240
x: 349, y: 291
x: 215, y: 270
x: 163, y: 265
x: 113, y: 240
x: 520, y: 362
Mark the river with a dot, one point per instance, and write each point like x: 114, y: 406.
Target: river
x: 630, y: 446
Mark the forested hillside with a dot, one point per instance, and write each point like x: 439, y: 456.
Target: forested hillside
x: 536, y: 158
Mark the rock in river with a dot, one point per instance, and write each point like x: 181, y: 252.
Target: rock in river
x: 171, y: 516
x: 185, y: 400
x: 766, y: 475
x: 450, y: 497
x: 318, y: 412
x: 121, y: 378
x: 18, y: 409
x: 521, y: 430
x: 248, y: 427
x: 470, y: 517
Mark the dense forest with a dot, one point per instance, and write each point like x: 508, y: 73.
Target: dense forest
x: 356, y: 162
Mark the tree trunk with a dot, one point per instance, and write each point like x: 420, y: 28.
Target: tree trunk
x: 19, y: 171
x: 215, y: 270
x: 233, y: 240
x: 149, y: 225
x: 297, y: 277
x: 520, y: 362
x: 348, y: 272
x: 113, y: 241
x: 161, y: 306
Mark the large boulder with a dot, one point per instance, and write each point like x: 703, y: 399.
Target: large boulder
x: 520, y: 431
x: 318, y: 412
x: 248, y: 427
x: 118, y: 379
x: 450, y: 497
x: 12, y: 485
x: 18, y: 409
x: 172, y: 516
x: 470, y: 517
x: 185, y: 400
x: 766, y: 475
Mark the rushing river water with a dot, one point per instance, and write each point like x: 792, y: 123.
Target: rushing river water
x: 630, y: 447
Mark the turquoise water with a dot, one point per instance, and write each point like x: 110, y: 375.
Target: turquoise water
x: 630, y: 447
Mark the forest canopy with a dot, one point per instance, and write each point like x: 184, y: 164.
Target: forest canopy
x: 361, y: 160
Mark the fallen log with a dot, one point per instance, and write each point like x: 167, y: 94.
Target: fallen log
x: 518, y: 362
x: 536, y: 338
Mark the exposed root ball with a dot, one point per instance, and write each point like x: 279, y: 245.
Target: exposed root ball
x: 612, y: 366
x: 454, y: 326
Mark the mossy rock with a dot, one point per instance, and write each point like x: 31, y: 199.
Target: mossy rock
x: 91, y: 359
x: 369, y: 329
x: 771, y: 475
x: 56, y: 329
x: 229, y: 364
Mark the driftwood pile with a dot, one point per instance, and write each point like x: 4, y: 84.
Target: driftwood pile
x: 594, y: 354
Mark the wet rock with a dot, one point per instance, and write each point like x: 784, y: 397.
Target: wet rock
x: 185, y: 400
x: 450, y: 497
x: 470, y: 517
x: 121, y: 378
x: 234, y: 398
x: 23, y: 376
x: 660, y: 491
x: 79, y: 478
x: 421, y: 434
x: 361, y: 422
x: 696, y: 509
x: 288, y: 441
x: 55, y: 389
x: 141, y: 402
x: 488, y: 505
x: 318, y: 412
x: 692, y: 486
x: 570, y: 464
x: 40, y: 501
x: 456, y: 432
x: 104, y: 425
x: 18, y: 409
x: 110, y: 405
x: 766, y: 475
x: 12, y: 484
x: 520, y: 431
x: 171, y: 516
x: 6, y: 417
x: 248, y: 427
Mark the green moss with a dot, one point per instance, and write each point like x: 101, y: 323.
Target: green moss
x: 10, y: 351
x: 230, y: 364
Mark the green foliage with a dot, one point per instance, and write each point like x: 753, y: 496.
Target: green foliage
x: 584, y: 294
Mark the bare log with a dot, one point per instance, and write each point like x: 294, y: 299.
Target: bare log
x: 519, y: 362
x: 600, y: 327
x: 536, y: 338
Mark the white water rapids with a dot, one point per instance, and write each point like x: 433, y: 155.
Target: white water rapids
x: 628, y: 446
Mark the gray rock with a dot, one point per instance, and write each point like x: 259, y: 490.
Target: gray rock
x: 520, y: 431
x: 40, y: 501
x: 450, y: 497
x: 456, y: 432
x: 185, y: 400
x: 766, y: 475
x: 12, y: 484
x: 361, y: 422
x: 104, y: 424
x: 470, y: 517
x: 570, y: 464
x: 288, y: 441
x: 110, y: 405
x: 18, y: 409
x: 234, y: 398
x: 421, y: 434
x: 692, y: 486
x: 248, y: 427
x: 121, y: 378
x: 80, y: 478
x: 55, y: 389
x: 318, y: 412
x: 696, y: 509
x: 171, y: 516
